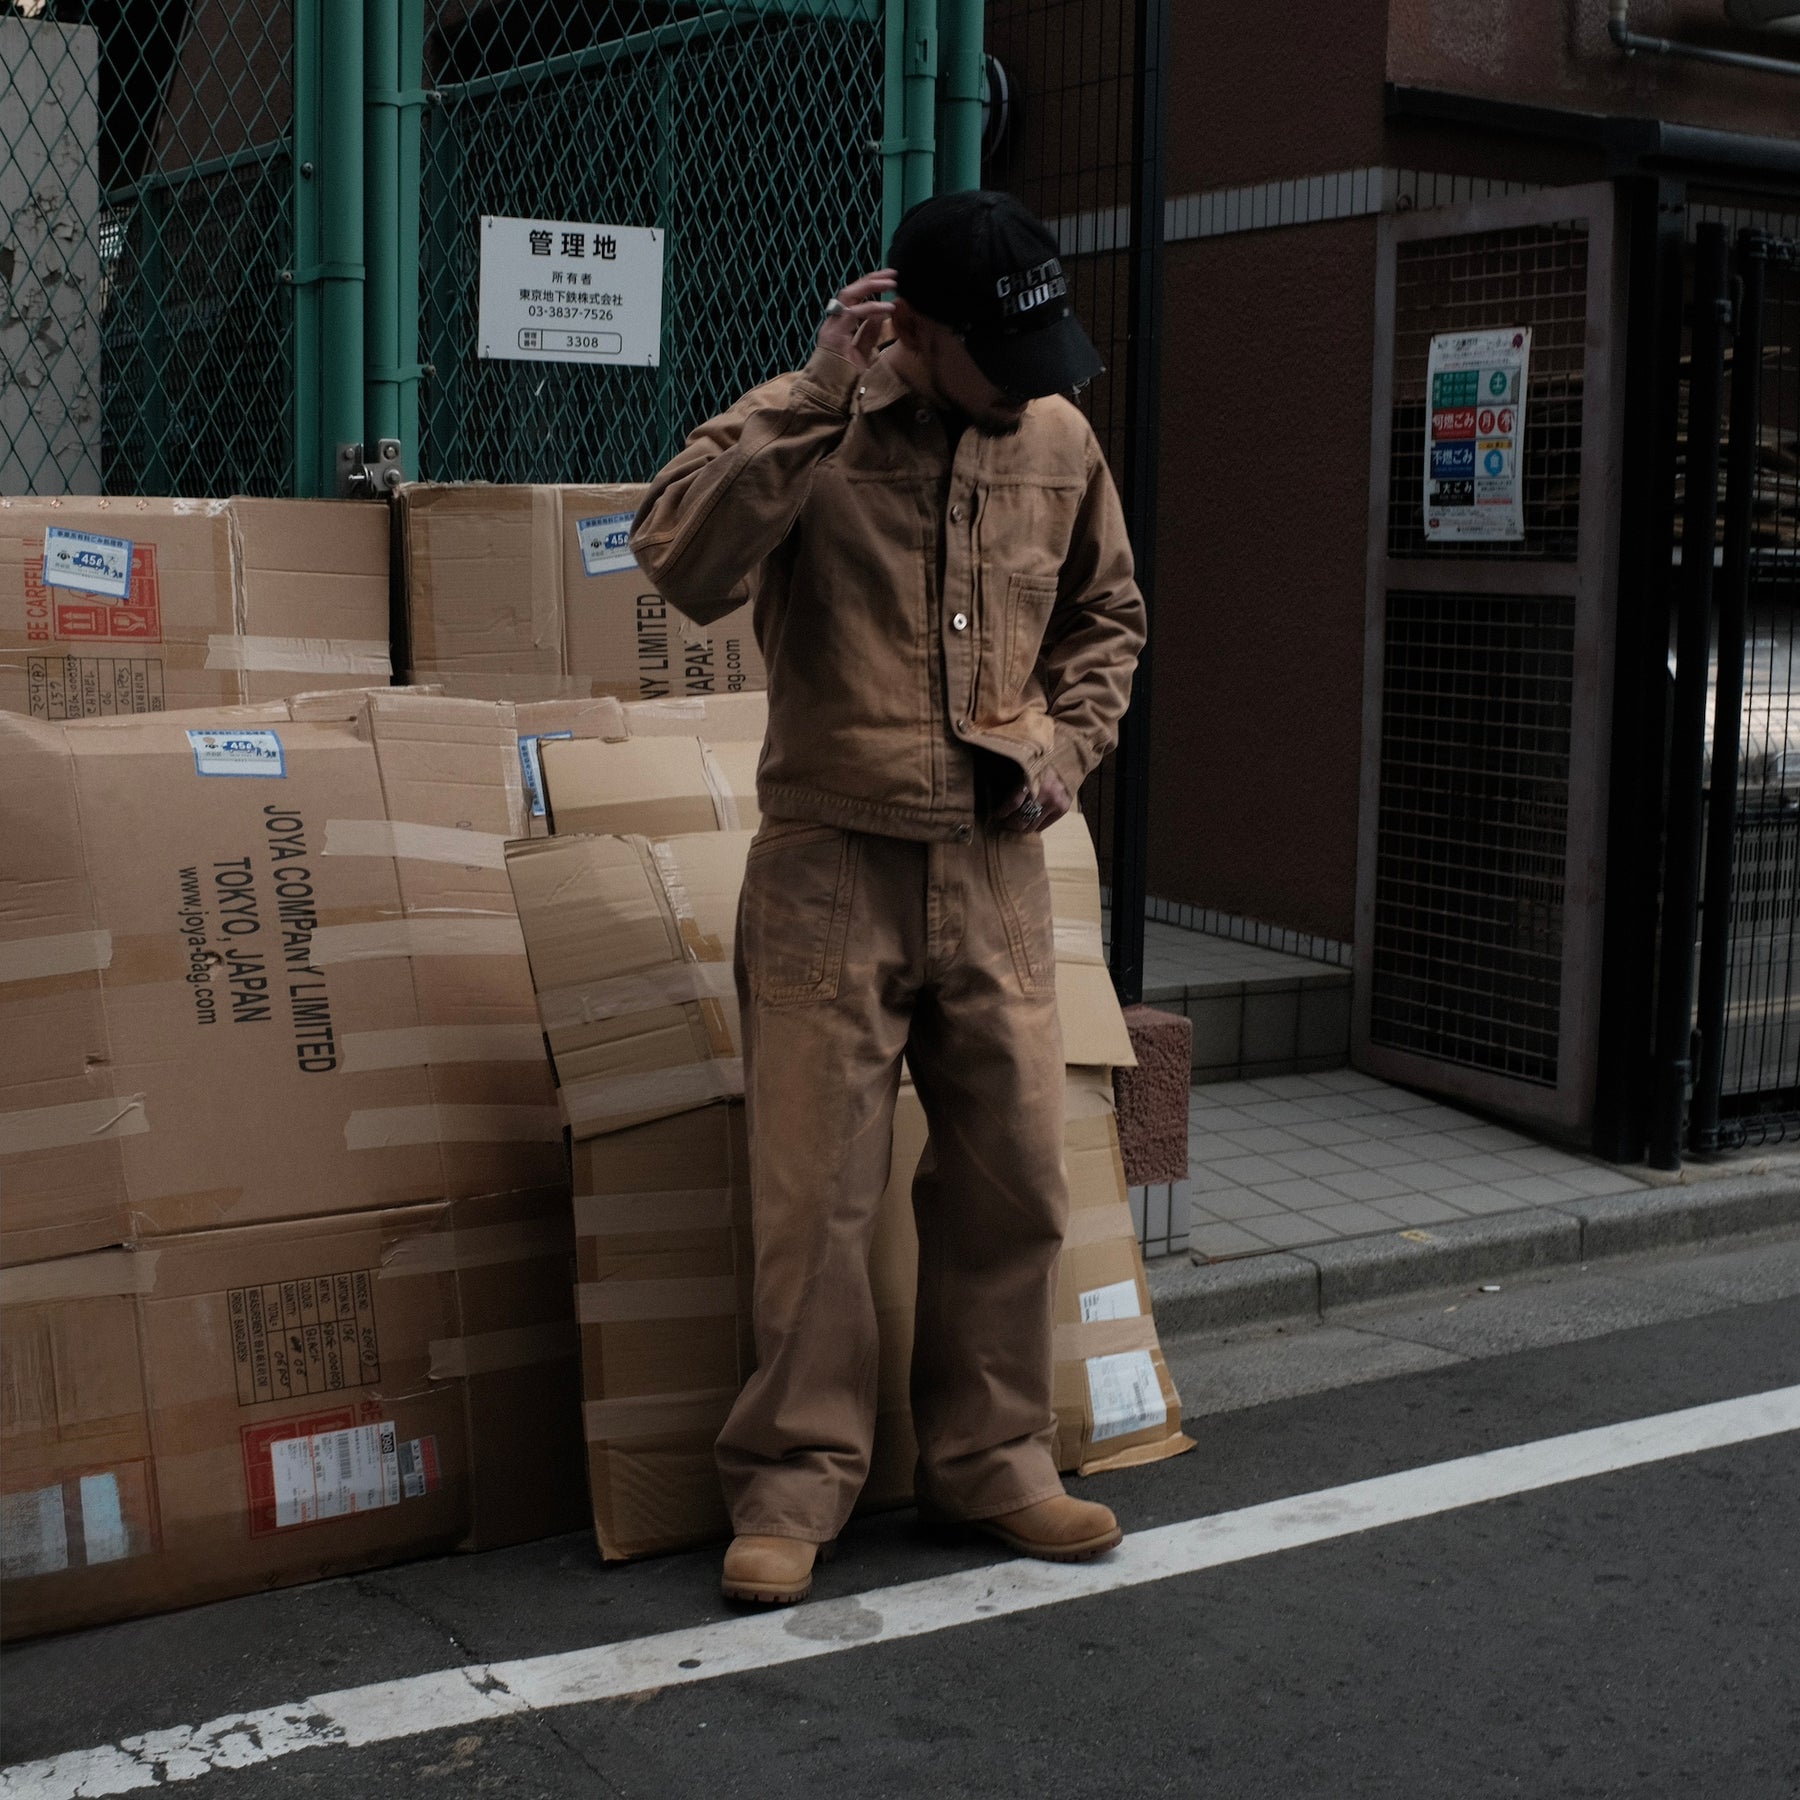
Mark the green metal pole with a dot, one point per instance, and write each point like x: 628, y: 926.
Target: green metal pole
x: 893, y: 120
x: 959, y: 105
x: 920, y: 65
x: 304, y: 169
x: 339, y: 271
x: 393, y: 58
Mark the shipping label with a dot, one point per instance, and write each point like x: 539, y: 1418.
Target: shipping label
x: 605, y: 543
x: 84, y: 1520
x: 1118, y: 1300
x: 87, y: 562
x: 309, y: 1471
x: 311, y: 1335
x: 99, y: 588
x: 238, y: 752
x: 1125, y: 1394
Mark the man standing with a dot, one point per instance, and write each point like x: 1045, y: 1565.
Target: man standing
x: 944, y: 600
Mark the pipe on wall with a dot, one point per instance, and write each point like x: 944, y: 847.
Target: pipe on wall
x: 1618, y: 27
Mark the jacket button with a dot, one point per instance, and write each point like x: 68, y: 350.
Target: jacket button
x: 922, y: 416
x: 963, y: 834
x: 962, y: 724
x: 956, y: 515
x: 960, y: 622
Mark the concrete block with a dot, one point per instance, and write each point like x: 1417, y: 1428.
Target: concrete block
x: 1375, y: 1268
x: 1651, y: 1218
x: 1187, y: 1297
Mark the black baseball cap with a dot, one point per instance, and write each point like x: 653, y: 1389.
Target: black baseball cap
x: 981, y: 264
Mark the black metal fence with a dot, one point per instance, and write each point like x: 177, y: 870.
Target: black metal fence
x: 1747, y: 1004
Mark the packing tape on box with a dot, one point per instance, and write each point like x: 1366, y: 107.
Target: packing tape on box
x: 633, y: 1215
x: 629, y: 1302
x: 1104, y: 1337
x: 417, y: 1046
x: 417, y: 843
x: 1077, y: 940
x: 395, y: 1127
x: 299, y: 655
x: 673, y: 984
x: 699, y: 1411
x: 718, y: 785
x: 487, y: 1352
x: 79, y: 1122
x: 1100, y: 1225
x: 440, y: 934
x: 478, y: 1246
x: 655, y: 1091
x: 63, y: 953
x: 100, y: 1275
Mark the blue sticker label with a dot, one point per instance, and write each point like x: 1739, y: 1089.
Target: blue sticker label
x: 605, y: 543
x: 1453, y: 459
x: 534, y: 769
x: 238, y: 753
x: 87, y: 562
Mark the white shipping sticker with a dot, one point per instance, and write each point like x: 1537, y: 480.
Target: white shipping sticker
x: 87, y: 562
x: 606, y: 543
x: 1125, y: 1393
x: 419, y: 1474
x: 238, y: 753
x: 533, y: 768
x: 335, y: 1473
x: 104, y: 1538
x: 1119, y: 1301
x: 33, y: 1538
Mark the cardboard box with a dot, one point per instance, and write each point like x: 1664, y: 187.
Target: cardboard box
x: 262, y: 966
x: 238, y: 1409
x: 663, y: 1245
x: 152, y: 605
x: 532, y: 593
x: 717, y: 718
x: 660, y: 786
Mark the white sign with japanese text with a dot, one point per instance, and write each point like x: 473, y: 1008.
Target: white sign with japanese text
x: 556, y: 290
x: 1474, y: 433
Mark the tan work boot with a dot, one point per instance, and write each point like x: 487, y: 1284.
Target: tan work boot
x: 1062, y: 1529
x: 771, y: 1571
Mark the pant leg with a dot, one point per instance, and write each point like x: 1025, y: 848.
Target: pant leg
x: 828, y: 930
x: 992, y: 1201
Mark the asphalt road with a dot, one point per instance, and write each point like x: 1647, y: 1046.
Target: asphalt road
x: 1634, y: 1633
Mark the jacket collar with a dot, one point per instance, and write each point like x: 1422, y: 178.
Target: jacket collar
x: 881, y: 387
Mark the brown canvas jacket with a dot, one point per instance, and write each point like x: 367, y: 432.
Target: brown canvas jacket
x: 824, y: 495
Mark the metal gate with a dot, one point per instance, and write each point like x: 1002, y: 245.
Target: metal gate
x: 1734, y: 824
x: 1488, y: 673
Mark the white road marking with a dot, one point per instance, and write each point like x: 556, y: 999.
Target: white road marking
x: 448, y: 1698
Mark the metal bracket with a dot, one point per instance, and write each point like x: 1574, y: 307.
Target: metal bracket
x: 358, y: 478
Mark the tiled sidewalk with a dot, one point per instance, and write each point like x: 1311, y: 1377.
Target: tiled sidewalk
x: 1291, y: 1160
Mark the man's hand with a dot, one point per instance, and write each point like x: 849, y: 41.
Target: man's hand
x: 854, y: 331
x: 1053, y: 800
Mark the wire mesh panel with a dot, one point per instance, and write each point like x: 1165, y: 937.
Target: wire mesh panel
x: 145, y: 323
x: 748, y: 135
x: 1537, y: 276
x: 1472, y: 837
x: 1761, y: 1076
x: 1067, y: 155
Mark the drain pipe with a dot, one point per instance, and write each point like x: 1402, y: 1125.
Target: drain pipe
x: 1618, y: 26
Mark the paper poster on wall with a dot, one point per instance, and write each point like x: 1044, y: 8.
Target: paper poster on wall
x: 1474, y: 436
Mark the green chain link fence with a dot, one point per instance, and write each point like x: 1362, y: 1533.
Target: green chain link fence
x: 144, y: 189
x: 240, y: 233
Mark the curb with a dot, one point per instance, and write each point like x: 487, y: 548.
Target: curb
x: 1293, y: 1284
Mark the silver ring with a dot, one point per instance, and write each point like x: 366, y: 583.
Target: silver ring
x: 1032, y: 811
x: 834, y: 306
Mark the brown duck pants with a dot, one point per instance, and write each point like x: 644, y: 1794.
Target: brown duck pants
x: 853, y: 949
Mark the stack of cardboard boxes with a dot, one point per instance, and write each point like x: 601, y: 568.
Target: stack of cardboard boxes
x: 290, y: 1279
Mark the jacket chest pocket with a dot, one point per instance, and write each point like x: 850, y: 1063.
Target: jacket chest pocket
x: 1029, y: 602
x: 799, y: 882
